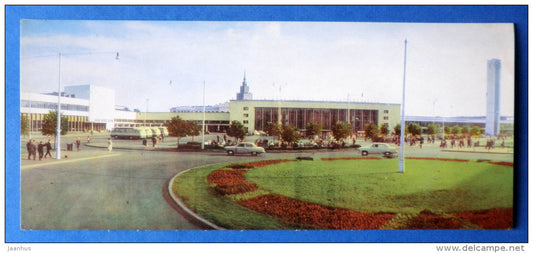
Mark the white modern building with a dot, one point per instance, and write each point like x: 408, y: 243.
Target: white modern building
x: 87, y: 108
x: 101, y: 103
x: 492, y: 125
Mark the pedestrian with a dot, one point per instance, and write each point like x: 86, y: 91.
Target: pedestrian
x: 30, y: 146
x: 40, y: 150
x: 154, y: 141
x: 78, y: 143
x: 88, y: 139
x: 48, y: 146
x: 109, y: 144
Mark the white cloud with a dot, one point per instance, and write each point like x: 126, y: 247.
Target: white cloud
x: 446, y: 65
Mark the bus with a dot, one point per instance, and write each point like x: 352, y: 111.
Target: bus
x: 128, y: 133
x: 164, y: 131
x: 155, y: 131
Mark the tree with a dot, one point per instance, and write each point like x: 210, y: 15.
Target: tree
x: 194, y: 129
x: 433, y: 129
x: 313, y: 128
x: 475, y: 130
x: 341, y: 130
x: 414, y: 129
x: 398, y: 129
x: 465, y: 130
x: 179, y: 128
x: 50, y: 124
x: 24, y: 122
x: 447, y: 130
x: 456, y: 129
x: 290, y: 134
x: 384, y: 129
x: 371, y: 130
x: 237, y: 130
x: 273, y: 129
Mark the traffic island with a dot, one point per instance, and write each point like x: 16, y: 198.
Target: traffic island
x: 351, y: 193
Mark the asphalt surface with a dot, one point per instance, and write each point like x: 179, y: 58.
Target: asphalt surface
x: 126, y: 189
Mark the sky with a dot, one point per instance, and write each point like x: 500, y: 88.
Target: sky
x: 163, y: 64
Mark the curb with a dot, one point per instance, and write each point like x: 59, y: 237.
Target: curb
x: 476, y: 152
x: 185, y: 208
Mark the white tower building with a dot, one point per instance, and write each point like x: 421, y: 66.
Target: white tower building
x: 492, y: 125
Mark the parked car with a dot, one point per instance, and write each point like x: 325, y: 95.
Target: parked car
x: 379, y: 148
x: 244, y: 148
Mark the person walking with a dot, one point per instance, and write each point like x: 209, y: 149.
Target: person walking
x: 30, y: 146
x: 40, y: 150
x: 109, y: 144
x: 154, y: 141
x: 78, y: 144
x: 48, y: 146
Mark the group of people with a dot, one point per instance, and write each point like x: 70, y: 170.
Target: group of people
x: 155, y: 140
x: 33, y: 149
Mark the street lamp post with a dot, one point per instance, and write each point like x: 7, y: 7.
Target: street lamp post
x: 402, y: 124
x: 58, y: 123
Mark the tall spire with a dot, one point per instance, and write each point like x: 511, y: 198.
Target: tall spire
x: 244, y: 93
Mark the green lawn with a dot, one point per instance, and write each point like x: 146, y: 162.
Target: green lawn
x: 376, y: 186
x: 360, y: 185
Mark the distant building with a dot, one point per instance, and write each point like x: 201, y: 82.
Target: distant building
x: 244, y: 93
x: 492, y: 125
x: 222, y: 107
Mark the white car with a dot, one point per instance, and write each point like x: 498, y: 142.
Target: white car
x: 244, y: 148
x: 379, y: 148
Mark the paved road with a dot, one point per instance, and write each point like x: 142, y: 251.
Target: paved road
x: 126, y: 189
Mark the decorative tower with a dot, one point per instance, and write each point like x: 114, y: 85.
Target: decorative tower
x: 244, y: 93
x: 492, y: 124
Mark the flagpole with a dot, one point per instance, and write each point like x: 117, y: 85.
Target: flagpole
x: 402, y: 120
x: 203, y: 119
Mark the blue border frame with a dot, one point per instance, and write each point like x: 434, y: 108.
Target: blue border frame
x: 366, y: 13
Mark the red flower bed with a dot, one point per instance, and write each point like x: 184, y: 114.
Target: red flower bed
x: 503, y: 163
x: 313, y: 214
x: 438, y: 159
x: 267, y: 162
x: 350, y: 158
x: 230, y: 182
x: 499, y: 218
x: 236, y: 188
x: 226, y: 177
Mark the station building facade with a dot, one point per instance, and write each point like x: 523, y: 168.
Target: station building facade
x: 92, y: 108
x: 256, y: 114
